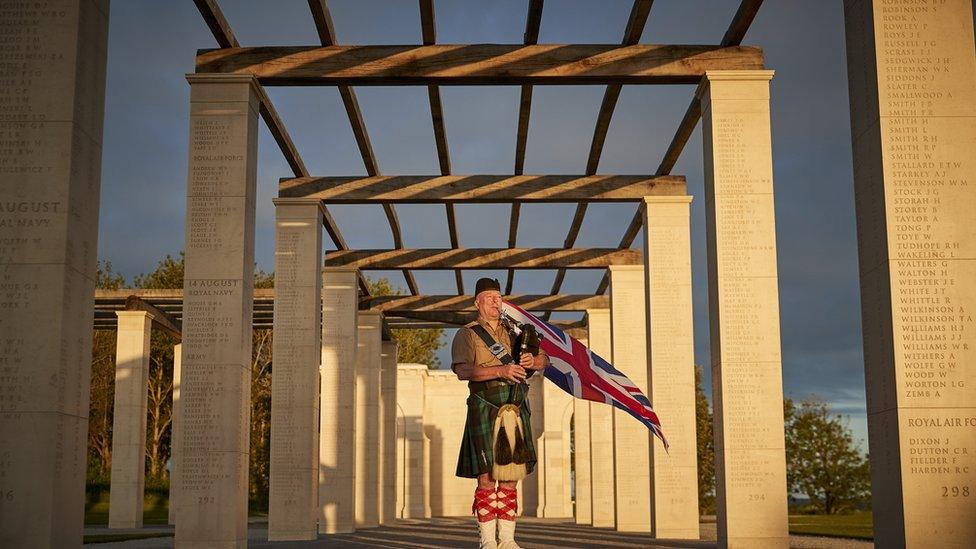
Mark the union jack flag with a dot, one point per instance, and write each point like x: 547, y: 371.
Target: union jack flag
x: 585, y: 375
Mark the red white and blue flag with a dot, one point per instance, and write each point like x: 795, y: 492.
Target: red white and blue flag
x: 585, y: 375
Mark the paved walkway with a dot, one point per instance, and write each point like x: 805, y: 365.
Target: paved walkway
x: 532, y: 533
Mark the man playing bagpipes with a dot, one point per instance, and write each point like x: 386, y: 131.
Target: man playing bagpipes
x: 495, y: 358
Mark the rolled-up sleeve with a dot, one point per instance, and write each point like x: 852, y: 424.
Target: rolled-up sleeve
x: 462, y: 350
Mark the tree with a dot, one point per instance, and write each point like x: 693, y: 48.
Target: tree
x: 822, y: 460
x: 168, y: 274
x: 706, y: 448
x: 418, y: 346
x: 102, y: 403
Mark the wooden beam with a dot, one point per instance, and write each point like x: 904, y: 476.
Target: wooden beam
x: 214, y: 18
x: 533, y: 20
x: 632, y: 33
x: 478, y: 64
x: 281, y: 136
x: 482, y: 258
x: 394, y: 305
x: 326, y: 31
x: 323, y: 21
x: 740, y: 24
x: 429, y: 34
x: 420, y: 189
x: 161, y: 319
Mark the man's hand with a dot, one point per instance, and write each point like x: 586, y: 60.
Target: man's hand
x: 526, y: 361
x: 512, y: 373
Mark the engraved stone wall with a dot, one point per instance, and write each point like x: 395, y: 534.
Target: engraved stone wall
x: 337, y: 457
x: 217, y: 306
x: 912, y: 76
x: 388, y: 397
x: 671, y: 366
x: 630, y: 437
x: 52, y: 93
x: 601, y: 429
x: 750, y: 462
x: 411, y: 459
x: 368, y: 420
x: 293, y: 503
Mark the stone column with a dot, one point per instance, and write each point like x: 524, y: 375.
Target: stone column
x: 337, y: 447
x: 554, y: 440
x: 671, y: 365
x: 129, y: 419
x: 583, y: 510
x: 293, y: 502
x: 750, y: 466
x: 387, y: 453
x: 912, y: 76
x: 601, y: 429
x: 176, y: 430
x: 51, y: 105
x: 410, y: 398
x: 368, y: 419
x: 217, y: 307
x: 630, y: 437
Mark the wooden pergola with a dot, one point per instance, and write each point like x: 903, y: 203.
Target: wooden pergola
x: 433, y: 65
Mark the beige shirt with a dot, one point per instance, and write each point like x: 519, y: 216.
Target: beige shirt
x: 468, y: 348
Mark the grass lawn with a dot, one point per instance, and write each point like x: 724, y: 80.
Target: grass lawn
x: 858, y: 525
x: 97, y: 514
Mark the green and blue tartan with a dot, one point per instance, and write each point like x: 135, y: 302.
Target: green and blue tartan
x: 476, y: 456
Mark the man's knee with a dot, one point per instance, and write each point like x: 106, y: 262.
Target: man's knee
x: 485, y: 481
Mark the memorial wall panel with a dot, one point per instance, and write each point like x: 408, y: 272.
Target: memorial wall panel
x: 218, y: 293
x: 912, y: 73
x: 293, y: 503
x: 630, y: 437
x: 337, y: 409
x: 746, y: 364
x: 52, y: 82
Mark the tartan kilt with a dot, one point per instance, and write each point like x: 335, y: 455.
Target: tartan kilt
x: 476, y: 456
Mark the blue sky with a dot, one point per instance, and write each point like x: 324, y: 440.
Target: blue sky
x: 152, y: 45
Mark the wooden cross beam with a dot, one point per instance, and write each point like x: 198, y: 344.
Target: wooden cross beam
x: 394, y: 304
x: 481, y: 188
x: 478, y: 64
x: 161, y: 319
x: 482, y: 258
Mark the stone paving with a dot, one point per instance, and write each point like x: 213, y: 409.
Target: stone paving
x: 443, y: 533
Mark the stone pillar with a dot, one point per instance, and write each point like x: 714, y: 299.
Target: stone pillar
x: 176, y: 439
x: 601, y: 429
x: 553, y: 467
x: 51, y: 106
x: 337, y: 447
x: 671, y: 365
x: 750, y: 462
x: 387, y: 453
x: 630, y: 437
x: 129, y: 419
x: 293, y: 502
x: 368, y: 419
x: 912, y: 76
x: 583, y: 508
x: 411, y: 401
x: 217, y: 306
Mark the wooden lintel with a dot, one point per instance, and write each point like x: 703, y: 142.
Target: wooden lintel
x: 393, y: 305
x: 478, y: 64
x: 160, y: 318
x: 482, y: 258
x: 412, y: 189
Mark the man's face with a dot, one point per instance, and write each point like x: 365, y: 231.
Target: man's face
x: 489, y: 304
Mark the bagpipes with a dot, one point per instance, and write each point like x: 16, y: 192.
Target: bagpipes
x: 508, y: 432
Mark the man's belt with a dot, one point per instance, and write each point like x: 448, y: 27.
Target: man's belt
x: 481, y: 386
